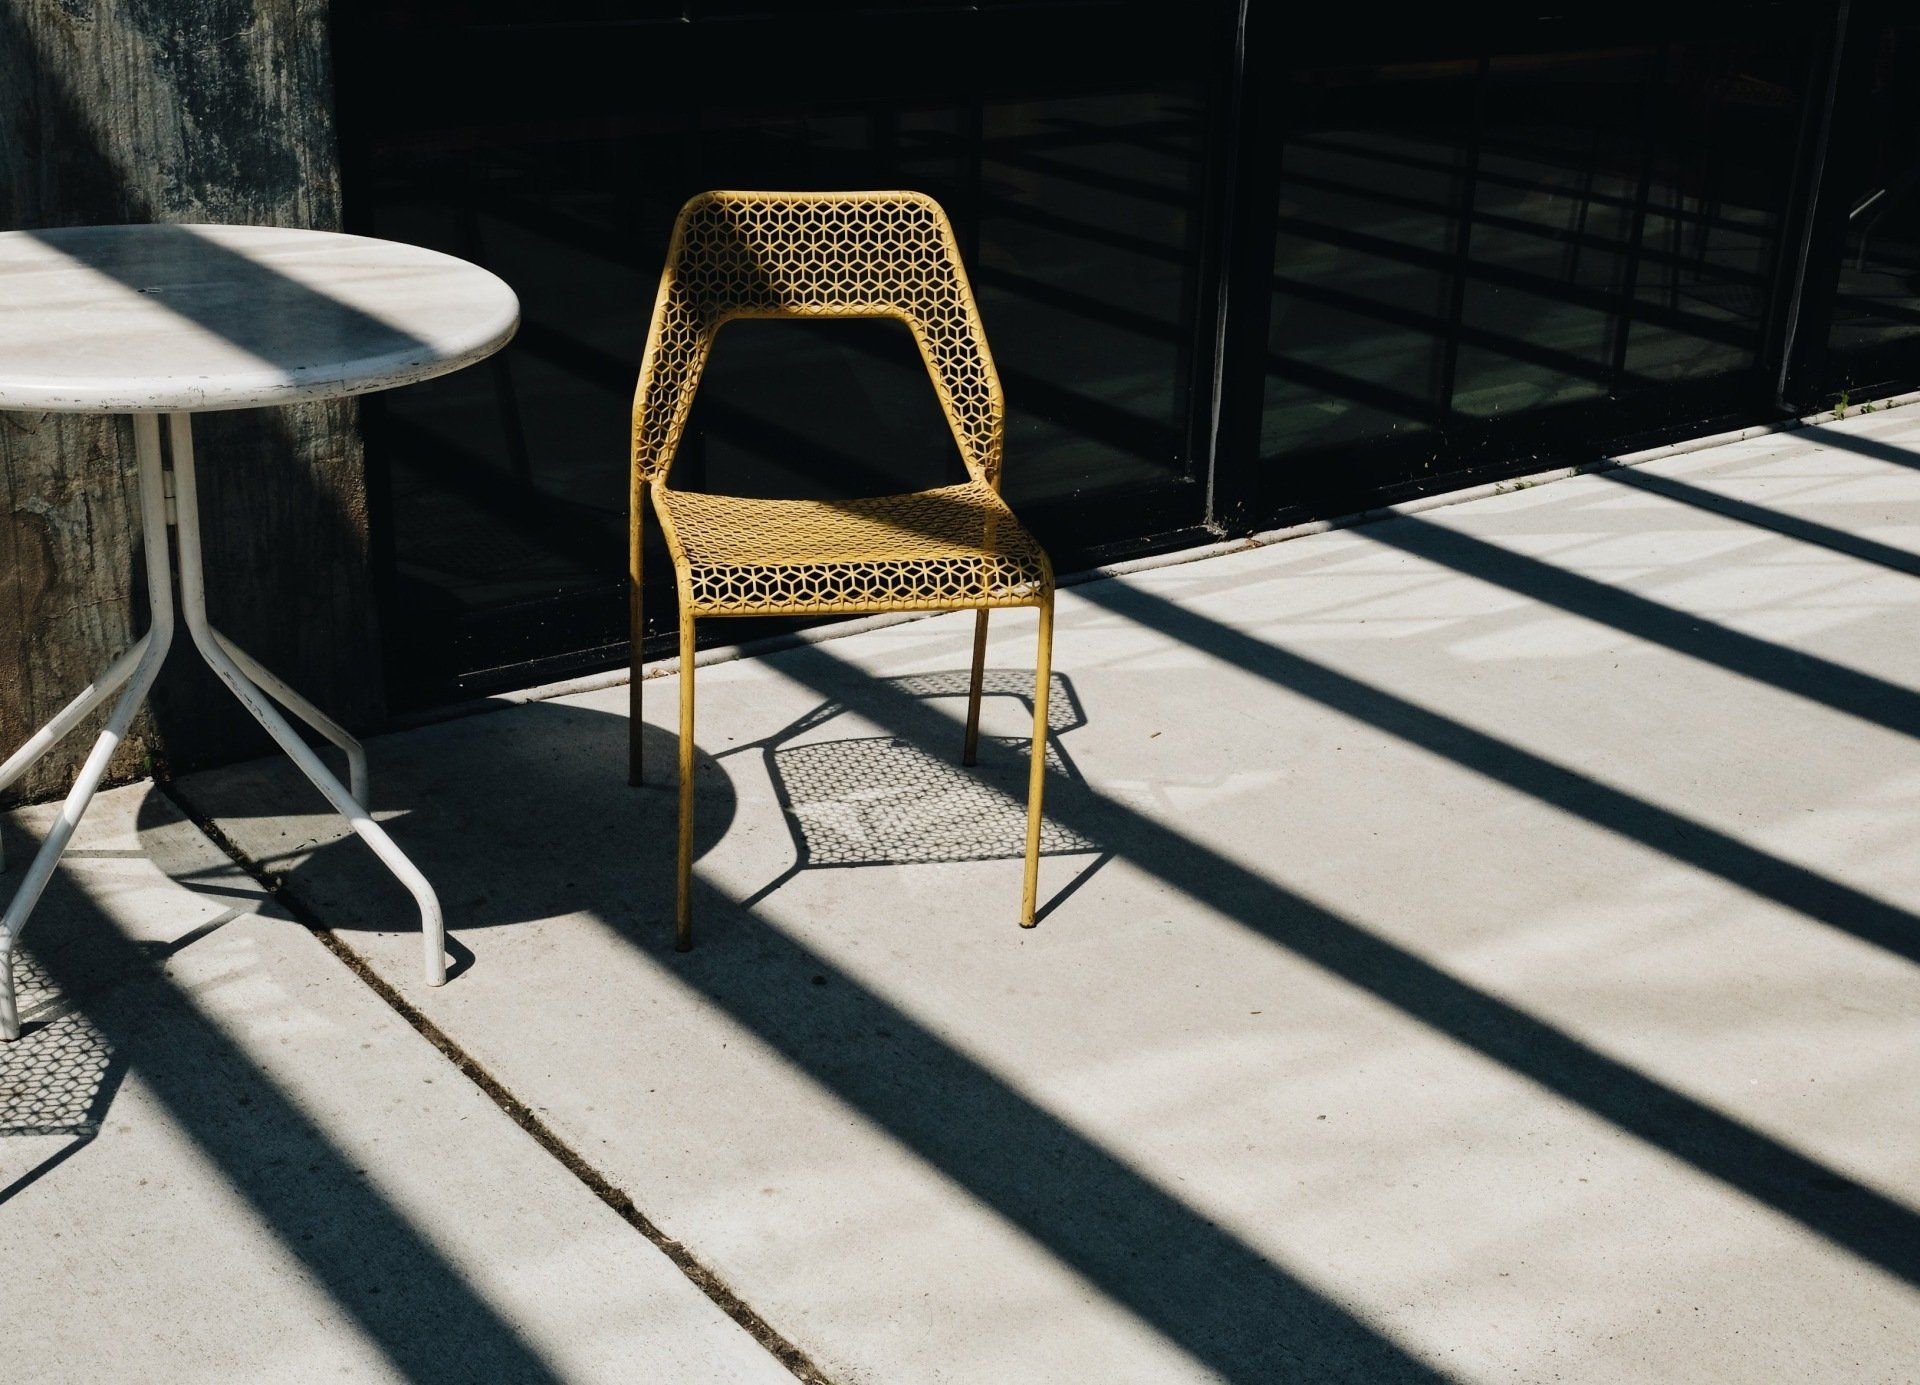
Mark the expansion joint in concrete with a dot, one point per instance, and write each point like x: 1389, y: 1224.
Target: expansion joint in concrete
x: 723, y: 1297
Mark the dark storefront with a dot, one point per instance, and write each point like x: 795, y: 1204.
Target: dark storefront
x: 1238, y: 266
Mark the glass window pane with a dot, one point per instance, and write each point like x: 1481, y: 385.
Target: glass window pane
x: 1875, y: 333
x: 1074, y: 166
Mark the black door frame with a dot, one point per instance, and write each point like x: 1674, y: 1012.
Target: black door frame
x: 1785, y: 377
x: 1246, y: 47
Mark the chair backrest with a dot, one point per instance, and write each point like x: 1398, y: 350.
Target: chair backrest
x: 816, y: 254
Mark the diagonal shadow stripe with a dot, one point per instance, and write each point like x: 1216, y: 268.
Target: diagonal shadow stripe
x: 1864, y: 447
x: 252, y: 306
x: 413, y: 1305
x: 1122, y: 1235
x: 1818, y: 680
x: 1685, y: 839
x: 1867, y: 1224
x: 44, y: 1167
x: 1190, y: 1279
x: 1764, y: 517
x: 1184, y: 1276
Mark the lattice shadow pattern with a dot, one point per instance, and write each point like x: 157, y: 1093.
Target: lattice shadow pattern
x: 56, y: 1078
x: 880, y: 800
x: 887, y: 801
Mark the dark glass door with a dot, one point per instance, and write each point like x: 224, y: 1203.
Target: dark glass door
x: 1506, y: 240
x: 1868, y: 271
x: 1070, y: 142
x: 1241, y: 263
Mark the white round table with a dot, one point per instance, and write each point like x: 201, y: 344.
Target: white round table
x: 174, y: 320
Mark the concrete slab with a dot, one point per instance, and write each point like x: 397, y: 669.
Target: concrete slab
x: 222, y: 1157
x: 1483, y: 948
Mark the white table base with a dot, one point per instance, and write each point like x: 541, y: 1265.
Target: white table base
x: 169, y: 500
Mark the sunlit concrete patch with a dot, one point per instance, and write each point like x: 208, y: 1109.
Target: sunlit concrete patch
x: 223, y: 1158
x: 1498, y: 963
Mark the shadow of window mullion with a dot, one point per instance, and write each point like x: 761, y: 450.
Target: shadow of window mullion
x: 1173, y: 1268
x: 411, y: 1303
x: 1824, y: 435
x: 1853, y: 1217
x: 1821, y: 681
x: 1774, y: 521
x: 1748, y: 868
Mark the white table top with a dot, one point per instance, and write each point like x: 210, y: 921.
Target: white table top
x: 142, y: 319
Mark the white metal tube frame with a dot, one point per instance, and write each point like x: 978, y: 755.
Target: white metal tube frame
x: 176, y: 506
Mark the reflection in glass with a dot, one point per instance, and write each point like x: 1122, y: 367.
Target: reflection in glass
x: 1876, y: 317
x: 1079, y: 195
x: 1467, y: 244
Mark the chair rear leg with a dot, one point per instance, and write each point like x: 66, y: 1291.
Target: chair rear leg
x: 971, y: 752
x: 683, y: 909
x: 1037, y: 772
x: 636, y: 640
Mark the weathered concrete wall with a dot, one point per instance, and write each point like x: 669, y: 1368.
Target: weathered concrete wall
x: 176, y: 110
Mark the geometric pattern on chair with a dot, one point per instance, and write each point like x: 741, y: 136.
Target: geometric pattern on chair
x: 813, y: 255
x: 958, y: 546
x: 832, y: 254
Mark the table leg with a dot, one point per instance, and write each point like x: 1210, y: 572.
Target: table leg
x: 257, y: 673
x: 136, y: 668
x: 68, y: 717
x: 220, y: 657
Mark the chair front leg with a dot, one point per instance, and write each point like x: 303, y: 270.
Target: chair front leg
x: 1037, y: 773
x: 683, y: 909
x: 971, y: 752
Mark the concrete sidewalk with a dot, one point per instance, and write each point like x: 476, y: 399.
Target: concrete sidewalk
x: 1482, y: 947
x: 222, y: 1158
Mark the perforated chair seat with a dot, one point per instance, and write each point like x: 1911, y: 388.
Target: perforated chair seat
x: 954, y: 548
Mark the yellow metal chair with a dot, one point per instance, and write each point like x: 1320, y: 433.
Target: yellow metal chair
x: 817, y: 255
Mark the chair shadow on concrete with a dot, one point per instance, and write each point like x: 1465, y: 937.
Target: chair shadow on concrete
x: 569, y: 833
x: 583, y: 839
x: 889, y: 801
